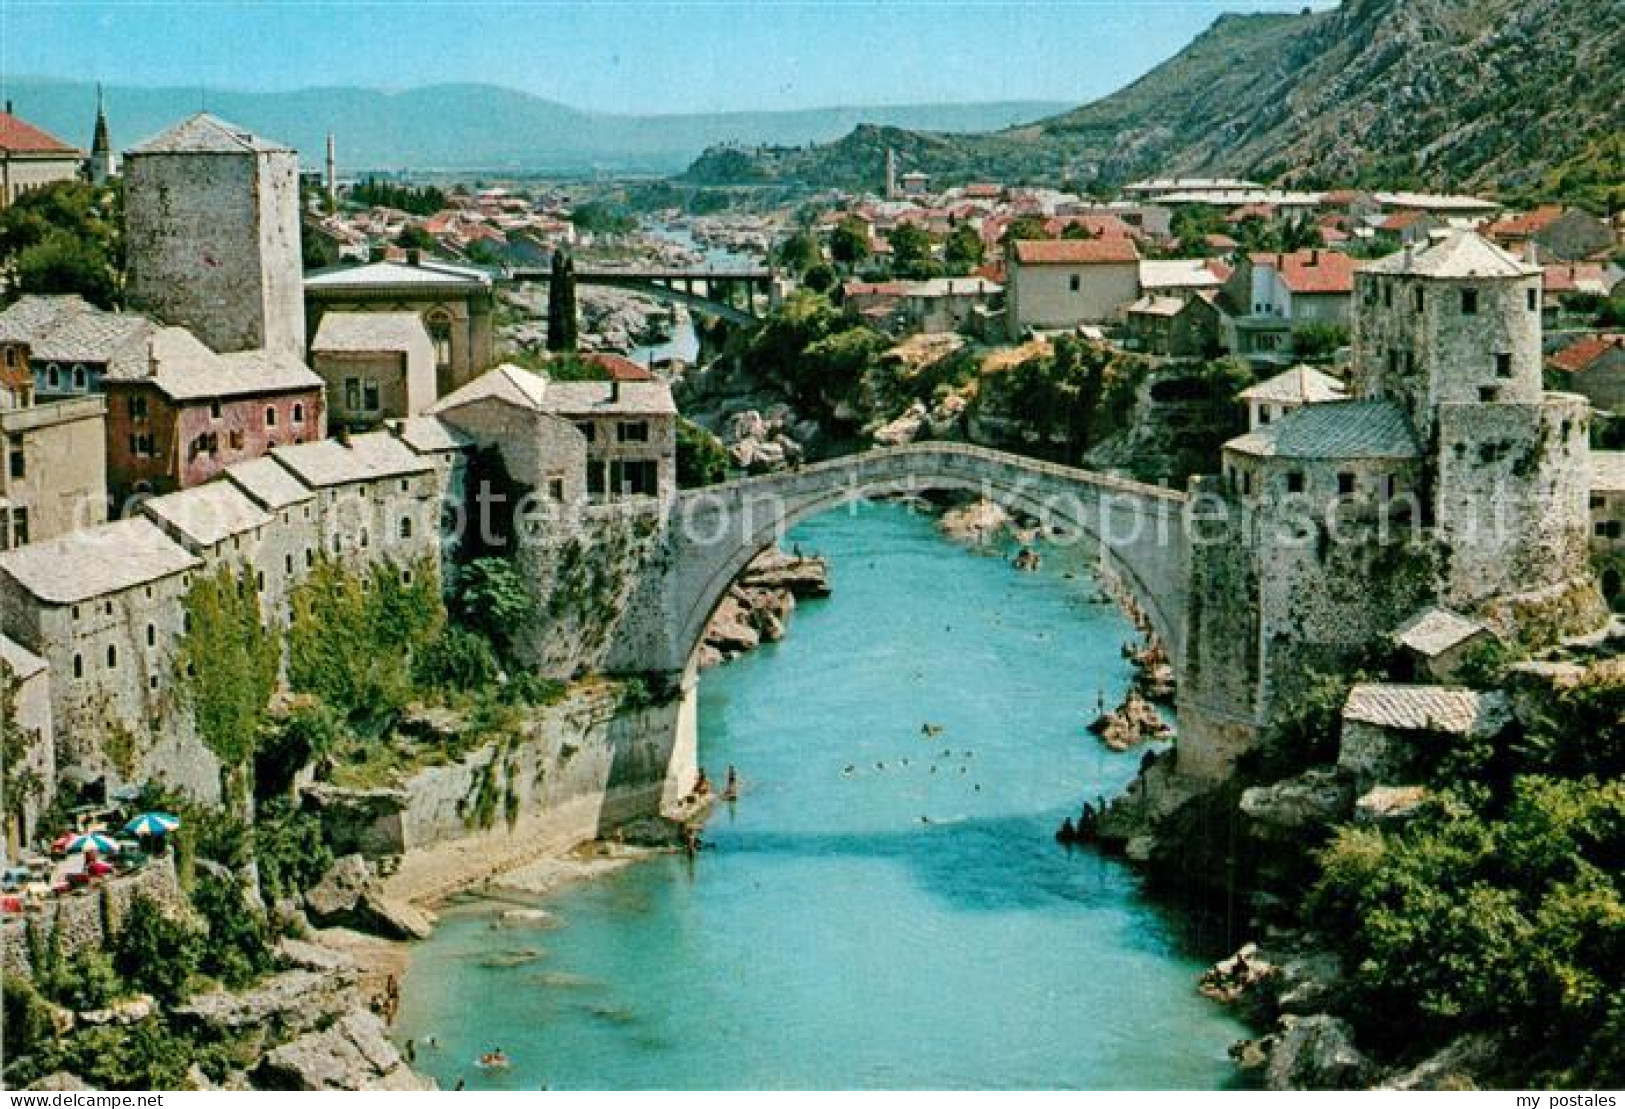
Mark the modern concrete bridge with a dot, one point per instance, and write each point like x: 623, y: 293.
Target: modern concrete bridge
x: 736, y: 295
x: 1136, y: 531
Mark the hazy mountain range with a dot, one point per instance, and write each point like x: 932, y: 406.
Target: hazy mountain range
x: 476, y: 127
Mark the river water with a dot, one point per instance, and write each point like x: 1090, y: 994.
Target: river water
x: 881, y: 908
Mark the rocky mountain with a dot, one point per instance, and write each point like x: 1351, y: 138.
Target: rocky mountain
x: 474, y: 127
x: 1484, y: 94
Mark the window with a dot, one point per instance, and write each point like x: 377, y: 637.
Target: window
x: 78, y: 377
x: 1247, y: 483
x: 1503, y: 365
x: 1417, y: 299
x: 310, y: 556
x: 1393, y: 362
x: 352, y: 393
x: 406, y: 527
x: 588, y: 429
x: 364, y: 539
x: 287, y: 564
x: 1074, y: 283
x: 270, y: 415
x: 235, y: 439
x: 19, y: 527
x: 298, y: 413
x: 1345, y: 485
x: 555, y: 488
x: 138, y: 408
x: 152, y: 636
x: 1387, y: 295
x: 1263, y: 414
x: 369, y: 395
x: 112, y: 657
x: 1294, y: 482
x: 406, y: 485
x: 1469, y: 302
x: 636, y: 431
x: 440, y: 332
x: 1534, y: 300
x: 53, y: 376
x: 16, y: 457
x: 214, y: 410
x: 78, y: 666
x: 141, y: 445
x: 1489, y: 394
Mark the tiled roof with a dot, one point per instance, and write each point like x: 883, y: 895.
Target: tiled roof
x: 111, y: 338
x: 1580, y: 355
x: 1459, y: 254
x: 1310, y: 272
x: 1433, y: 202
x: 21, y: 662
x: 592, y: 398
x: 1300, y: 385
x: 1339, y: 429
x: 1177, y: 273
x: 1436, y: 630
x: 507, y: 382
x: 1608, y: 471
x: 430, y: 435
x: 392, y: 275
x: 1575, y: 277
x: 619, y: 368
x: 368, y: 457
x: 270, y: 484
x: 1526, y: 223
x: 18, y: 137
x: 207, y: 514
x: 207, y: 134
x: 93, y: 562
x: 33, y: 316
x: 178, y: 363
x: 1075, y: 252
x: 366, y: 332
x: 1157, y: 306
x: 1428, y: 708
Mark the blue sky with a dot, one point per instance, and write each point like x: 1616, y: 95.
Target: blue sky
x: 622, y: 55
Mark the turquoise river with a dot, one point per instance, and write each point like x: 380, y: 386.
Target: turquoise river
x: 881, y: 908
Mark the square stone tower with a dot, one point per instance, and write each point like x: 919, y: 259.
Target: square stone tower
x: 212, y: 233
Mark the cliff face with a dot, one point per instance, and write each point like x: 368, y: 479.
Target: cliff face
x: 1449, y: 93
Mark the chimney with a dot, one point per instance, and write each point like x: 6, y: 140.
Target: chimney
x: 1410, y: 255
x: 614, y: 390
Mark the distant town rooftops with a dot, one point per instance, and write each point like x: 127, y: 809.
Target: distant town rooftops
x: 206, y: 134
x: 1188, y: 184
x: 271, y: 485
x: 93, y: 562
x: 366, y: 332
x: 397, y: 275
x: 207, y: 514
x: 1299, y: 385
x: 1428, y: 708
x: 1582, y: 354
x: 19, y: 138
x: 1347, y: 429
x: 1435, y: 202
x: 1457, y: 255
x: 1434, y: 631
x: 1075, y: 252
x: 329, y: 462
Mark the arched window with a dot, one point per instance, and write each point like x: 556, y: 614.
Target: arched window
x: 78, y: 377
x: 438, y: 322
x: 53, y: 376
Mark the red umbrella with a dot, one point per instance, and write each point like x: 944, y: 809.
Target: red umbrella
x: 59, y: 845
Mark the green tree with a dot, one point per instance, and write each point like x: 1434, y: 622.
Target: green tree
x: 963, y: 251
x: 820, y: 278
x: 156, y: 952
x: 798, y: 253
x: 1024, y: 229
x: 849, y: 243
x: 912, y: 249
x: 415, y: 237
x: 66, y: 238
x: 562, y: 323
x: 492, y: 599
x: 701, y: 457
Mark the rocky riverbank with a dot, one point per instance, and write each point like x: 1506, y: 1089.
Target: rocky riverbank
x: 757, y: 607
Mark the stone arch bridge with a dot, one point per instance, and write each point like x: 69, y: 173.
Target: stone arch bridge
x: 1136, y: 531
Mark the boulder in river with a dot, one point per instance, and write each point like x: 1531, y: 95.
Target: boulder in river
x: 1316, y: 1053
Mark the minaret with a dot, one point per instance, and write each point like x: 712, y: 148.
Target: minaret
x: 891, y: 174
x: 101, y: 147
x: 332, y: 177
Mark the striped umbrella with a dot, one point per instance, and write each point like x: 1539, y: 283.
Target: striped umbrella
x: 153, y: 824
x: 92, y: 841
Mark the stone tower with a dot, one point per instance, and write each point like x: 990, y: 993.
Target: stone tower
x: 1452, y: 333
x: 332, y: 176
x: 212, y: 233
x: 101, y: 148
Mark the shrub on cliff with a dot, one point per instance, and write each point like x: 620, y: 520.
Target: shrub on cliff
x: 227, y: 664
x: 157, y: 953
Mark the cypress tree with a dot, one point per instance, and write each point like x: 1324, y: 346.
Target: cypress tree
x: 561, y: 305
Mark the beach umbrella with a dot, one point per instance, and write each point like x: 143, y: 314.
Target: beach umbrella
x: 93, y: 841
x: 153, y: 824
x: 59, y: 845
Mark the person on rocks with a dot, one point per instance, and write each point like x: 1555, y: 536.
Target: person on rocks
x: 1066, y: 834
x: 730, y: 791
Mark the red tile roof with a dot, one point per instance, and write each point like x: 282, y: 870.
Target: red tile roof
x: 1526, y: 224
x: 1312, y: 271
x: 618, y: 368
x: 983, y: 189
x: 1401, y: 220
x: 1220, y: 241
x: 1569, y: 276
x: 17, y: 137
x: 1075, y: 252
x: 1101, y: 226
x: 1580, y: 356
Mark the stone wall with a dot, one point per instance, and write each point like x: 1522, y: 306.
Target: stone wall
x: 85, y: 920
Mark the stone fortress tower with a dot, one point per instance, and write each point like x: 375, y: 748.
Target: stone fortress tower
x: 1448, y: 479
x: 212, y: 233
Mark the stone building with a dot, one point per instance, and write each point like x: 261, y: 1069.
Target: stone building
x: 1552, y: 232
x: 212, y: 235
x: 1057, y: 284
x: 186, y: 413
x: 377, y: 500
x: 1451, y: 480
x: 1608, y: 524
x: 506, y: 409
x: 1436, y: 642
x: 55, y: 477
x: 377, y: 366
x: 1390, y: 732
x: 1593, y: 367
x: 32, y: 785
x: 455, y: 302
x: 631, y: 433
x: 68, y: 345
x: 104, y: 607
x: 224, y: 527
x: 1175, y: 326
x: 31, y: 159
x: 1270, y: 400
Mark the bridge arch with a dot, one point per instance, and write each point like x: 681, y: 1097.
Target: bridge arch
x: 1135, y: 530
